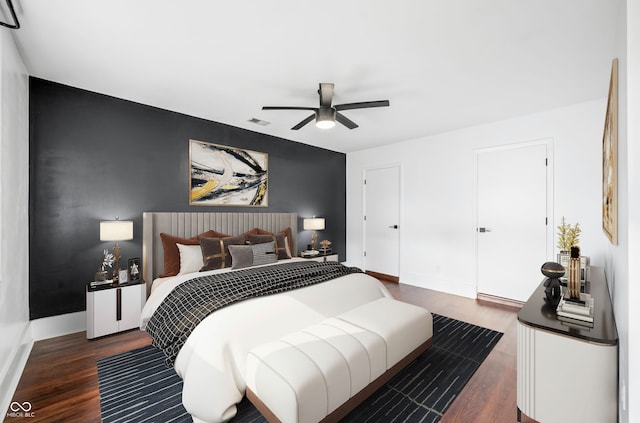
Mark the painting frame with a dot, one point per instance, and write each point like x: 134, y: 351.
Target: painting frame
x: 610, y: 160
x: 220, y: 175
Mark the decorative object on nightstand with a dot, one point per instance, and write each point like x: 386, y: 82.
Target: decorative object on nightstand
x: 568, y: 236
x: 552, y: 291
x: 116, y: 230
x: 107, y: 261
x: 573, y: 278
x: 324, y: 247
x: 313, y: 224
x: 133, y: 265
x: 123, y: 276
x: 309, y: 252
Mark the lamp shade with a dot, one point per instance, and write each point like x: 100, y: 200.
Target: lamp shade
x: 313, y: 224
x: 116, y: 230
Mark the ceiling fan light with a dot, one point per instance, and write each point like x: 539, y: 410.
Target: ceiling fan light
x: 325, y: 124
x: 326, y: 118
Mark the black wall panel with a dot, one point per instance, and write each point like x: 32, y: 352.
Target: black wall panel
x: 95, y: 157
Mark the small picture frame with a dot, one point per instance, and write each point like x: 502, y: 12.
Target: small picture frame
x: 123, y: 276
x: 133, y: 267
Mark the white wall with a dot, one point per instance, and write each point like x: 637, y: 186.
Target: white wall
x: 623, y: 273
x: 438, y: 186
x: 14, y: 221
x: 632, y: 320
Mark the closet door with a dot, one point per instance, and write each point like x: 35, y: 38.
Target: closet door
x: 512, y: 230
x: 382, y: 221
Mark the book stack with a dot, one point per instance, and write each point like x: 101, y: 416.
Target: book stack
x: 576, y: 312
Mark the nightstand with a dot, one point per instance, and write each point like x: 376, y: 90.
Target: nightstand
x: 323, y: 258
x: 114, y: 308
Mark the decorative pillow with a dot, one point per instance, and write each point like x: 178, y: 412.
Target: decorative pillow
x: 286, y: 232
x: 279, y: 240
x: 190, y: 258
x: 215, y: 251
x: 252, y: 255
x: 287, y: 244
x: 241, y: 256
x: 257, y: 231
x: 171, y: 253
x: 264, y: 253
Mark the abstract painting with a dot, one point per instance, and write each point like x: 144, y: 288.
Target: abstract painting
x: 226, y: 176
x: 610, y: 160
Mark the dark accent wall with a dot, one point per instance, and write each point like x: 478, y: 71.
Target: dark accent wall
x: 95, y: 157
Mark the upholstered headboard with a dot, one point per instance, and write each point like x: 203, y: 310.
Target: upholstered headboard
x: 188, y: 224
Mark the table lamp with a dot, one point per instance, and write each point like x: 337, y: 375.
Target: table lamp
x: 116, y: 230
x: 313, y: 224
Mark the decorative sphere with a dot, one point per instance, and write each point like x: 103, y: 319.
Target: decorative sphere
x: 552, y: 270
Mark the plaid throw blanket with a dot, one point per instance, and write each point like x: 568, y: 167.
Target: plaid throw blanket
x: 190, y: 302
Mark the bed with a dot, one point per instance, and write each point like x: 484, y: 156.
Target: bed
x: 241, y: 343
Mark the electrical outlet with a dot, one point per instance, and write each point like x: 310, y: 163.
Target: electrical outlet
x: 623, y: 396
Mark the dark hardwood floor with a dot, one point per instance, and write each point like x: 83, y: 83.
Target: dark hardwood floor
x: 61, y: 378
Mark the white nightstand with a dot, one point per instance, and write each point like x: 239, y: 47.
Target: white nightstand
x: 114, y: 308
x: 328, y: 257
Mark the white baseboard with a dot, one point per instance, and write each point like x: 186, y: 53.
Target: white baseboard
x: 9, y: 380
x: 36, y: 330
x: 430, y: 282
x: 64, y: 324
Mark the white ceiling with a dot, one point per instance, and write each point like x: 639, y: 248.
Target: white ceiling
x: 442, y: 64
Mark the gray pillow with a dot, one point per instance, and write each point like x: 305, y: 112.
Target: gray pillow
x: 252, y: 255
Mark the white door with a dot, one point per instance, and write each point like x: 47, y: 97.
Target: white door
x: 382, y: 220
x: 512, y: 220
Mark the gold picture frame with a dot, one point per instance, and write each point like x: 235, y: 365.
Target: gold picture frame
x: 220, y: 175
x: 610, y: 160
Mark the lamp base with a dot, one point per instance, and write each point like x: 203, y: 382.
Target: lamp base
x: 116, y: 263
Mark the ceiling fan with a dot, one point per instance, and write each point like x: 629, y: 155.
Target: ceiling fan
x: 326, y: 115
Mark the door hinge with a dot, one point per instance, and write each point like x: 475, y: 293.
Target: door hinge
x: 365, y: 182
x: 546, y: 162
x: 546, y: 220
x: 365, y: 217
x: 365, y: 253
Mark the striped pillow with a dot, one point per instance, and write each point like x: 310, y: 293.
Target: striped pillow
x: 264, y: 253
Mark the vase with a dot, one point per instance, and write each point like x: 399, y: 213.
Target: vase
x: 573, y: 278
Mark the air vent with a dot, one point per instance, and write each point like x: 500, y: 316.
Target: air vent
x: 259, y: 121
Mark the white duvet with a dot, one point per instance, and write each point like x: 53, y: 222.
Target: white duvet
x: 212, y: 361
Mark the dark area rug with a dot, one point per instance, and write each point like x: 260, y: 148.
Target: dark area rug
x: 136, y: 386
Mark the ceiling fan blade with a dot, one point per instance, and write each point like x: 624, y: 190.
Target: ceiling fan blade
x: 345, y: 121
x: 362, y: 105
x: 326, y: 94
x: 304, y: 122
x: 288, y: 108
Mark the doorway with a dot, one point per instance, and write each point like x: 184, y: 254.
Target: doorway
x: 513, y: 215
x: 382, y: 222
